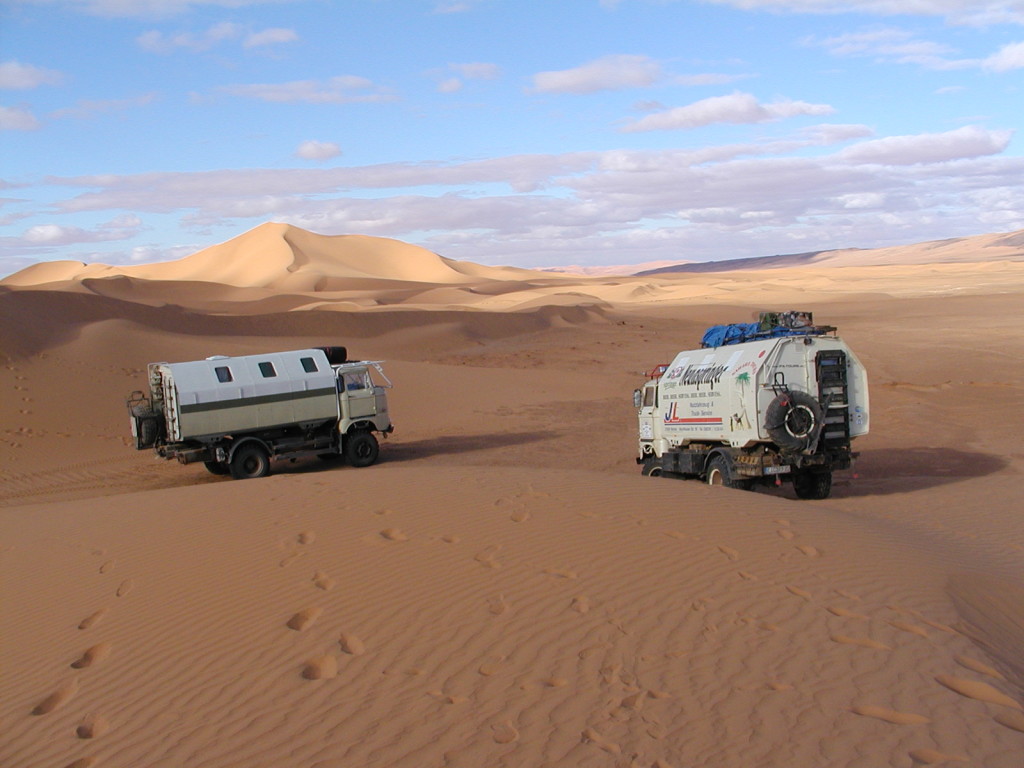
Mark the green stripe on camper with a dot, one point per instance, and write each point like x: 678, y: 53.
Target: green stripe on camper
x: 245, y: 402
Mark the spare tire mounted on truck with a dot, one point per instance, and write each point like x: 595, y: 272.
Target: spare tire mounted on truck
x: 758, y: 403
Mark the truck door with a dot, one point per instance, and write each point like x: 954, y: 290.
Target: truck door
x: 648, y: 409
x: 358, y: 394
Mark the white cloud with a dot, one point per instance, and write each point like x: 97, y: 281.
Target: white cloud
x: 967, y: 142
x: 16, y: 76
x: 968, y: 12
x: 616, y: 206
x: 343, y: 89
x: 605, y: 74
x: 734, y: 108
x: 1006, y: 58
x: 145, y: 8
x: 157, y: 42
x: 709, y: 78
x: 49, y: 235
x: 273, y: 36
x: 318, y: 150
x: 87, y: 108
x: 477, y: 70
x: 17, y: 119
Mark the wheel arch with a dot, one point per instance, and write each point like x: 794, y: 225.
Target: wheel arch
x: 235, y: 445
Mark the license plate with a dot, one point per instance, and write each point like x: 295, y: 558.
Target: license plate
x: 777, y: 470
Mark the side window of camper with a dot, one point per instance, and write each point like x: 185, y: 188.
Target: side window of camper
x: 223, y: 374
x: 309, y: 365
x: 267, y: 369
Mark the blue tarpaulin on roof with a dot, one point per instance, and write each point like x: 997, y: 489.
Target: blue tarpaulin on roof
x: 737, y: 333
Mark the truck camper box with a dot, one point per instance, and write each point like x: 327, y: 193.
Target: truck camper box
x: 281, y: 404
x: 781, y: 398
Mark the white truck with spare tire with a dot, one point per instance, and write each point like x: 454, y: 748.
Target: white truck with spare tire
x: 237, y: 414
x: 758, y: 403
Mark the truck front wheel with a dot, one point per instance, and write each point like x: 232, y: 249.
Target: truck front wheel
x: 361, y: 449
x: 720, y: 473
x: 250, y: 461
x: 813, y: 485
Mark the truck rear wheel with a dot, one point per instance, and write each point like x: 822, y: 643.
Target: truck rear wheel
x: 361, y: 449
x: 216, y: 467
x: 250, y: 461
x: 813, y: 485
x: 720, y: 472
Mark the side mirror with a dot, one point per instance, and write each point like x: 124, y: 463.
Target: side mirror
x: 638, y: 398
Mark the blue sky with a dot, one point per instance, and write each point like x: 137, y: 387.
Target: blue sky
x: 555, y: 132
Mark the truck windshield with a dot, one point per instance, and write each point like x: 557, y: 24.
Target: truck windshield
x: 357, y: 381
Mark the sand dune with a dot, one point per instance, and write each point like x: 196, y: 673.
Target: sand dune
x: 503, y: 588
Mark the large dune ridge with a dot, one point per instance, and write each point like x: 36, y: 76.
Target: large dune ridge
x: 503, y: 588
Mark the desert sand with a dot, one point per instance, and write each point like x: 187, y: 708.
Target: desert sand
x: 503, y: 588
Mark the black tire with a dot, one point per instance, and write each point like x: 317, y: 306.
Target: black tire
x: 720, y: 472
x: 216, y: 467
x: 651, y: 467
x: 361, y: 449
x: 793, y: 420
x: 249, y: 462
x: 812, y: 485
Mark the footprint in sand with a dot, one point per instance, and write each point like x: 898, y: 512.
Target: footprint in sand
x: 975, y: 689
x: 934, y: 757
x: 304, y: 619
x: 847, y: 595
x: 107, y: 566
x: 322, y: 581
x: 320, y: 667
x: 519, y: 516
x: 890, y: 715
x: 488, y: 560
x: 58, y: 698
x: 351, y: 644
x: 497, y: 605
x: 393, y: 534
x: 746, y: 576
x: 913, y: 629
x: 125, y: 587
x: 581, y: 604
x: 729, y: 552
x: 844, y: 613
x: 449, y: 539
x: 977, y: 666
x: 799, y: 592
x: 504, y: 732
x: 82, y: 762
x: 93, y: 619
x: 785, y: 534
x: 678, y: 535
x: 290, y: 558
x: 491, y: 665
x: 863, y: 642
x: 561, y: 573
x: 590, y: 736
x: 808, y: 550
x: 93, y: 727
x: 306, y: 537
x: 93, y: 655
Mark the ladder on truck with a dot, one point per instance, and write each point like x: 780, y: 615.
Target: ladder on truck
x: 833, y: 390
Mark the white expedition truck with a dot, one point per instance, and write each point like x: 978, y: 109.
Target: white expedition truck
x: 236, y: 414
x: 758, y: 403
